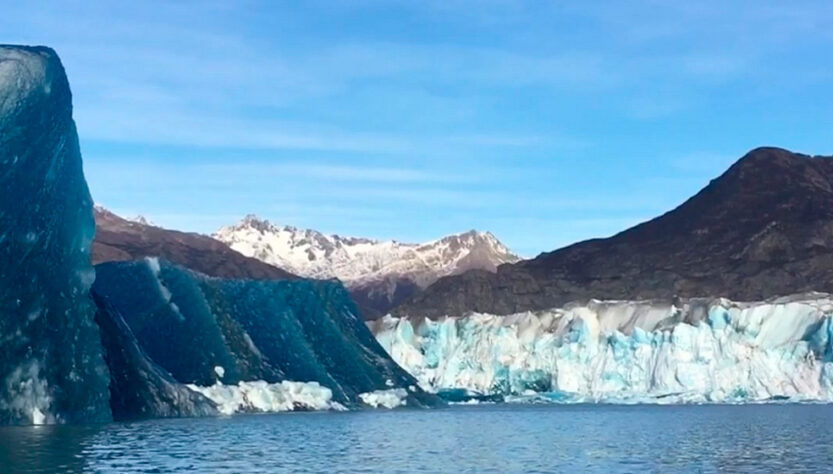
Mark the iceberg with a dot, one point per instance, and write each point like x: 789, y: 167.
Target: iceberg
x: 391, y: 398
x: 51, y: 369
x: 146, y: 339
x: 263, y: 397
x: 139, y: 388
x: 223, y: 335
x: 172, y: 319
x: 695, y: 350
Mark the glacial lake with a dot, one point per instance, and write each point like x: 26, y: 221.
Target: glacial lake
x: 485, y: 438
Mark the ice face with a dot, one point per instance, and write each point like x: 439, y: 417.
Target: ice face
x: 51, y: 366
x: 173, y: 321
x: 251, y: 330
x: 700, y: 350
x: 138, y: 387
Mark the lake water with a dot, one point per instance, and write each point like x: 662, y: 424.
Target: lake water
x: 497, y: 438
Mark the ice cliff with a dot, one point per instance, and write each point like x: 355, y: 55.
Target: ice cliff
x: 229, y: 334
x: 696, y: 350
x: 51, y: 365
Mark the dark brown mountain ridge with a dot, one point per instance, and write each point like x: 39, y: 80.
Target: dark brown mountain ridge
x: 763, y: 228
x: 118, y: 239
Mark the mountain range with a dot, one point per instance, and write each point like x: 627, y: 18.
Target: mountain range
x: 763, y: 228
x: 379, y: 274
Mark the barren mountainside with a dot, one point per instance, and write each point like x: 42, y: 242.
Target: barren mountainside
x: 763, y: 228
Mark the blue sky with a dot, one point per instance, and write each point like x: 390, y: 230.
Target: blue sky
x: 544, y: 122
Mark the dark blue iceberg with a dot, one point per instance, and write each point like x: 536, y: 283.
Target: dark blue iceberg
x: 205, y: 330
x: 138, y: 387
x: 127, y: 346
x: 51, y: 364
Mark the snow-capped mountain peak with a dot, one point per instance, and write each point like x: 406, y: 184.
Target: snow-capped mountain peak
x: 357, y: 261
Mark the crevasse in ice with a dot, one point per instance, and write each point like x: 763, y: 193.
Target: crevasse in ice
x: 51, y: 365
x: 697, y: 350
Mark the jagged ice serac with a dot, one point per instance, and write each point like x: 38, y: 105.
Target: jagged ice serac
x: 696, y: 350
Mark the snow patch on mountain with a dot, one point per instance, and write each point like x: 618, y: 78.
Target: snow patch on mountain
x: 357, y: 261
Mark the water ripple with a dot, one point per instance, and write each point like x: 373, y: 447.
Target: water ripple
x: 500, y: 438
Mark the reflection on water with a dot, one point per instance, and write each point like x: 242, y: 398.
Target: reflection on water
x: 506, y: 438
x: 45, y: 448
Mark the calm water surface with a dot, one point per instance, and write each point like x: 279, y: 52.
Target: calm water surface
x: 498, y: 438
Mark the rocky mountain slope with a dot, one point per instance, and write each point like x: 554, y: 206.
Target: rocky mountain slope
x: 763, y: 228
x: 119, y: 239
x: 380, y: 274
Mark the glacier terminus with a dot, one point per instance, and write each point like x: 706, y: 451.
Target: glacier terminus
x: 692, y: 350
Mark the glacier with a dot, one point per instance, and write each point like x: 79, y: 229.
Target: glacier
x: 696, y: 350
x: 51, y: 364
x: 230, y: 339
